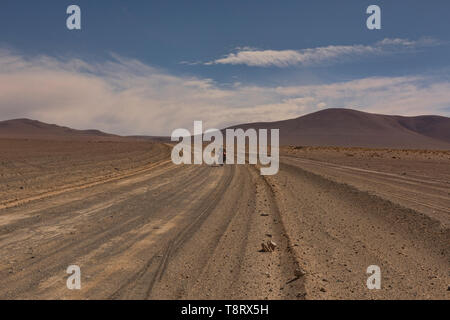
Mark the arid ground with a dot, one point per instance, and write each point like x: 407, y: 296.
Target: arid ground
x: 141, y: 227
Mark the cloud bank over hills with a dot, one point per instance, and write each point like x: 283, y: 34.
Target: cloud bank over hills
x: 126, y: 96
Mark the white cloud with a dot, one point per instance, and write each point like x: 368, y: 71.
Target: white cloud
x: 126, y: 96
x: 284, y: 58
x: 423, y: 42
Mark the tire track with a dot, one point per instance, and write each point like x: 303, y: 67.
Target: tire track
x: 177, y: 243
x: 77, y: 187
x: 73, y: 247
x: 342, y: 230
x: 153, y: 271
x: 428, y: 196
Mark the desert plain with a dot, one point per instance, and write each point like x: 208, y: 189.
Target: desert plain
x: 141, y: 227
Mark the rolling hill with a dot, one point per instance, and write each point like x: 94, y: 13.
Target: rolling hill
x: 351, y: 128
x: 33, y: 129
x: 329, y: 127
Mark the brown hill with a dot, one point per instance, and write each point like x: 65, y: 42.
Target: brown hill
x: 351, y: 128
x: 330, y: 127
x: 33, y: 129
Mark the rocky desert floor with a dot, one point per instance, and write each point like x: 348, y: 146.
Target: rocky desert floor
x: 141, y: 227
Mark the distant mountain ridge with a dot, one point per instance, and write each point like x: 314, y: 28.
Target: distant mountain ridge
x: 27, y: 128
x: 432, y: 126
x: 329, y: 127
x: 352, y: 128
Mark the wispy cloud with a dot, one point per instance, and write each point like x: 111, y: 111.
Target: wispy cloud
x: 284, y: 58
x: 126, y: 96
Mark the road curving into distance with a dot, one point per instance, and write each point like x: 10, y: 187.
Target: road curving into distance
x: 195, y: 232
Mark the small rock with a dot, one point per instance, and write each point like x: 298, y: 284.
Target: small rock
x: 323, y: 290
x: 272, y: 244
x: 269, y: 246
x: 264, y: 214
x: 299, y: 273
x: 265, y: 248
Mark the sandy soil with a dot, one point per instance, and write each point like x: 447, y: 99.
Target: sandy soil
x: 142, y: 228
x: 416, y: 179
x: 30, y: 167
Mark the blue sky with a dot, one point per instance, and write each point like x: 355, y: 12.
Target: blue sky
x: 226, y: 61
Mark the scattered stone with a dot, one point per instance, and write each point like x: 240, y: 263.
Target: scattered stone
x: 323, y: 290
x: 299, y: 273
x: 269, y: 246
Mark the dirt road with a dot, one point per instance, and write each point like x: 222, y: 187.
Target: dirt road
x: 162, y: 231
x: 165, y: 232
x: 339, y: 228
